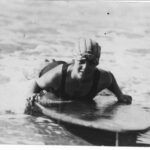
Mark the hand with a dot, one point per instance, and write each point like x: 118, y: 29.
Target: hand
x: 125, y: 99
x: 30, y: 108
x: 33, y: 98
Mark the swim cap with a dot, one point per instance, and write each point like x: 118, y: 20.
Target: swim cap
x: 89, y: 49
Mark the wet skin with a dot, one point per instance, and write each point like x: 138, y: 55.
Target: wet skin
x: 83, y: 69
x: 79, y: 80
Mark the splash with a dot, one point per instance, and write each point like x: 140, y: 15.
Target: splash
x: 13, y: 97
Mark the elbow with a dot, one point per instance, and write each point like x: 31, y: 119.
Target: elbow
x: 37, y: 87
x: 110, y: 78
x: 33, y: 87
x: 110, y: 83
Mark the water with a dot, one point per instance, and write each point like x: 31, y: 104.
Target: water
x: 35, y: 30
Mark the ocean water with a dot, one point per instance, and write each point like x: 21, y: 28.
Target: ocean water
x: 38, y: 30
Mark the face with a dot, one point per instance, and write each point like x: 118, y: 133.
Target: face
x: 83, y: 68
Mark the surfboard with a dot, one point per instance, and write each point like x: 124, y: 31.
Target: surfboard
x: 101, y: 114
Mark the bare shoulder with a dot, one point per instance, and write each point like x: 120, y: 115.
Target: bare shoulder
x: 52, y: 78
x: 104, y: 73
x: 105, y: 79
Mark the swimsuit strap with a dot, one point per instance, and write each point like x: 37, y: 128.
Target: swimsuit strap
x: 93, y: 90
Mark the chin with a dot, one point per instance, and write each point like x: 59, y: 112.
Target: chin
x: 81, y: 76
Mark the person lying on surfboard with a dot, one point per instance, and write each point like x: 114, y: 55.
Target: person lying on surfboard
x: 80, y: 80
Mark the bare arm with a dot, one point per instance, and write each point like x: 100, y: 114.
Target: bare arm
x: 51, y: 79
x: 33, y: 87
x: 108, y: 81
x: 113, y: 87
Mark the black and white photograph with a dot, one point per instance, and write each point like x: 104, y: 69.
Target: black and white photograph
x: 75, y: 73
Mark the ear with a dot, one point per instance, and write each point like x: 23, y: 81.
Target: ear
x: 99, y: 51
x: 73, y: 61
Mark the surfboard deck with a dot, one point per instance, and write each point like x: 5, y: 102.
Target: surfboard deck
x: 102, y: 114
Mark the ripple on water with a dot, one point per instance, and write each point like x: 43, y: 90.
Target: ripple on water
x: 9, y: 48
x: 27, y: 45
x: 67, y: 43
x: 24, y: 129
x: 130, y: 35
x: 139, y: 51
x: 36, y: 30
x: 4, y: 79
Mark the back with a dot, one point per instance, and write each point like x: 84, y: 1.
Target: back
x: 50, y: 66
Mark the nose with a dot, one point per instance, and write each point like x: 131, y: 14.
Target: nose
x: 84, y: 66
